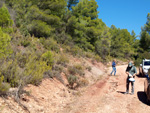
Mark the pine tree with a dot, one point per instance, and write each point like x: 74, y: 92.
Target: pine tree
x: 86, y: 8
x: 122, y: 43
x: 145, y: 35
x: 145, y: 41
x: 72, y: 3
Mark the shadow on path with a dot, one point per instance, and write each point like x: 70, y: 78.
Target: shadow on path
x: 140, y: 76
x: 121, y: 92
x: 142, y: 97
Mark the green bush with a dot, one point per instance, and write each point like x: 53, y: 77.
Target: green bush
x: 35, y: 44
x: 138, y: 61
x: 55, y: 73
x: 72, y: 80
x: 141, y: 56
x: 89, y: 54
x: 97, y: 58
x: 50, y: 44
x: 4, y: 87
x: 63, y: 60
x: 25, y: 43
x: 5, y: 19
x: 8, y: 30
x: 26, y: 65
x: 76, y: 69
x: 10, y: 71
x: 35, y: 70
x: 75, y: 51
x: 39, y: 28
x: 58, y: 68
x: 72, y: 70
x: 22, y: 59
x: 4, y: 44
x: 89, y: 68
x: 63, y: 38
x: 48, y: 57
x: 83, y: 82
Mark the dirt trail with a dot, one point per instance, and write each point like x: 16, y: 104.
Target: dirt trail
x: 107, y: 96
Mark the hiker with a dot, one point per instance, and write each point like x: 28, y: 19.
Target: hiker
x: 113, y: 67
x: 131, y: 72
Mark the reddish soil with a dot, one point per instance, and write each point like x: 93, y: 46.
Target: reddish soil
x: 107, y: 96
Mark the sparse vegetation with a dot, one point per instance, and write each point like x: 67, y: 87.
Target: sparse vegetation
x: 76, y: 69
x: 89, y: 68
x: 83, y: 82
x: 63, y: 60
x: 4, y: 87
x: 72, y: 79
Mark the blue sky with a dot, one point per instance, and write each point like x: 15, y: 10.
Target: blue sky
x: 124, y: 14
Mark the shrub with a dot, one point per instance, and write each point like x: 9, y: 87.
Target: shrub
x: 76, y: 69
x: 107, y: 59
x: 8, y: 30
x: 89, y: 54
x: 4, y: 44
x: 76, y: 51
x: 10, y: 71
x: 25, y: 43
x: 58, y: 76
x: 50, y: 44
x: 55, y: 74
x: 63, y: 38
x: 63, y: 60
x: 5, y: 19
x: 80, y: 70
x: 55, y: 70
x: 39, y: 28
x: 48, y: 57
x: 4, y: 87
x: 66, y: 48
x: 138, y: 61
x: 35, y: 70
x: 89, y: 68
x: 22, y: 59
x: 58, y: 68
x: 72, y: 80
x: 83, y: 82
x: 97, y: 58
x: 72, y: 70
x: 48, y: 74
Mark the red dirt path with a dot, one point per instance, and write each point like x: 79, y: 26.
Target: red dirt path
x: 106, y: 96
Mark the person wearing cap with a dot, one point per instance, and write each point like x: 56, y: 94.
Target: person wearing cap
x: 113, y: 67
x: 131, y: 72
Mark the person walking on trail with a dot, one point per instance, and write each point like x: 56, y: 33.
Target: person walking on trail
x: 113, y: 67
x: 131, y: 72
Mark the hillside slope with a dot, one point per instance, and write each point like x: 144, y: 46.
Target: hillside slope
x: 51, y: 96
